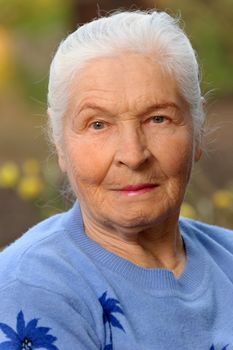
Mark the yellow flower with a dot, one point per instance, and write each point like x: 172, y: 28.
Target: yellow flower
x: 30, y: 187
x: 223, y: 199
x: 188, y: 211
x: 31, y: 167
x: 9, y: 175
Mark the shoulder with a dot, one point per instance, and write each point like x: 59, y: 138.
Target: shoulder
x: 211, y: 236
x: 43, y: 273
x: 32, y: 250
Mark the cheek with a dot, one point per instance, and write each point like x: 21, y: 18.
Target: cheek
x: 175, y: 155
x: 88, y: 163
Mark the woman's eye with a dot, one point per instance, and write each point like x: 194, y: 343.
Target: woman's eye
x: 97, y: 125
x: 158, y: 119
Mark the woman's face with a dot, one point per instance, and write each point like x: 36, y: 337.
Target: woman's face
x: 128, y: 142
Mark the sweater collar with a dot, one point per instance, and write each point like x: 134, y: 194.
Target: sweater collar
x: 190, y: 281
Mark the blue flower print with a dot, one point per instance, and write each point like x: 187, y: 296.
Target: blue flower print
x: 27, y: 337
x: 224, y: 348
x: 110, y: 306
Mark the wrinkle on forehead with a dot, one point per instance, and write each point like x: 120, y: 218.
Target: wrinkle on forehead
x: 125, y: 83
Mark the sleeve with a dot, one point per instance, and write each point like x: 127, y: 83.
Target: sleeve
x: 32, y: 317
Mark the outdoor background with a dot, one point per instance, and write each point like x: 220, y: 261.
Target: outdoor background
x: 31, y: 185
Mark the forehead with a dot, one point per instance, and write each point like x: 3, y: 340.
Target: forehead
x: 125, y: 79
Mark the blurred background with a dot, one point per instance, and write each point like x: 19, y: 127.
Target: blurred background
x: 31, y: 186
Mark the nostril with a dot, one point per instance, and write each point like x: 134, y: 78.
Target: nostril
x: 132, y: 150
x: 133, y: 158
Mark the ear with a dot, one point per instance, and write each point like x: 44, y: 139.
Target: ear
x: 198, y: 150
x: 60, y: 152
x: 203, y: 101
x: 198, y: 153
x: 61, y: 159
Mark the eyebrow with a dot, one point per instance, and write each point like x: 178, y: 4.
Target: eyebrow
x: 91, y: 105
x: 163, y: 105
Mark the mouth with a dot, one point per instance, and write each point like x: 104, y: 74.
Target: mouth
x: 134, y: 190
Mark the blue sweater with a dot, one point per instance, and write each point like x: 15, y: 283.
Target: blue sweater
x: 61, y: 290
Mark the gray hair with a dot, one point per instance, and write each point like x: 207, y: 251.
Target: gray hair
x: 144, y: 32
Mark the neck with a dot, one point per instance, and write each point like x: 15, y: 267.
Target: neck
x: 160, y: 246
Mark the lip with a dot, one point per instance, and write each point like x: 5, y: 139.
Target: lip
x: 134, y: 190
x: 138, y: 187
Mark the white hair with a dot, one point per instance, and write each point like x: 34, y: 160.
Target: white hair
x: 144, y: 32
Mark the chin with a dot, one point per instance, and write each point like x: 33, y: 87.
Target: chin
x: 137, y: 219
x: 145, y: 217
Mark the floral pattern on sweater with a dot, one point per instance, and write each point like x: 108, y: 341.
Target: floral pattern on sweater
x: 27, y: 336
x: 110, y: 306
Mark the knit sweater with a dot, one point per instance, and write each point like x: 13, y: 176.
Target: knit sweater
x: 60, y: 290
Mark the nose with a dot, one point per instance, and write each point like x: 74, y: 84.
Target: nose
x: 132, y: 150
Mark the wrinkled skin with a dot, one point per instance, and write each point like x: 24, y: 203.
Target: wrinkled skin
x: 126, y: 125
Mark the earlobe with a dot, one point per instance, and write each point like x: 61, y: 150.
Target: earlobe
x: 62, y: 164
x: 198, y: 153
x: 61, y: 159
x: 203, y: 101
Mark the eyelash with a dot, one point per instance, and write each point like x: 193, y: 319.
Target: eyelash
x: 102, y: 124
x: 159, y: 117
x: 96, y: 122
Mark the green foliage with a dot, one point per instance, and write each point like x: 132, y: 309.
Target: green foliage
x: 34, y: 17
x: 33, y: 29
x: 209, y: 25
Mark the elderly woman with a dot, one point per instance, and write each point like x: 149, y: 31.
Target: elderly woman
x: 121, y: 270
